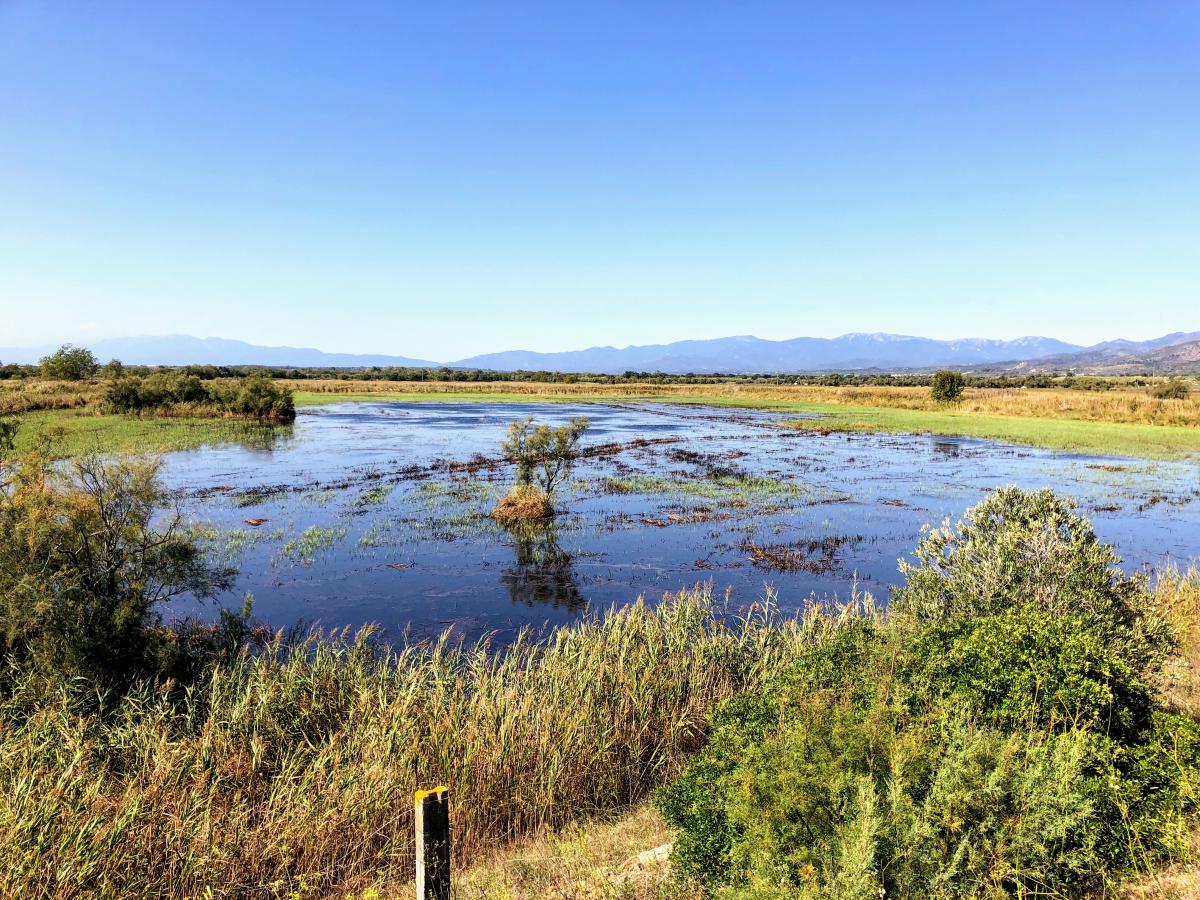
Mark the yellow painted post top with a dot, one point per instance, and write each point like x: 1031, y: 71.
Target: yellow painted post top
x: 421, y: 795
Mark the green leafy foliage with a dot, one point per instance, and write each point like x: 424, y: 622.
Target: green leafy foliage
x: 544, y: 456
x: 69, y: 363
x: 1171, y: 389
x: 86, y: 564
x: 996, y: 735
x: 947, y: 386
x: 252, y: 397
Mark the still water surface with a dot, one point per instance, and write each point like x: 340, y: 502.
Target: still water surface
x: 378, y: 512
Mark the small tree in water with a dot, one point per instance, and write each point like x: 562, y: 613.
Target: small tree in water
x: 947, y: 386
x: 544, y: 457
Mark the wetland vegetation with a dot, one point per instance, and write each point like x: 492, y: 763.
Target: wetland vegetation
x: 1017, y: 720
x: 1011, y: 712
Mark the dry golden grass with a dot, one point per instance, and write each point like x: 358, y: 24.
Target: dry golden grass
x: 1176, y: 882
x: 1178, y: 596
x: 524, y: 503
x: 1130, y: 405
x: 292, y: 774
x: 33, y: 394
x: 597, y: 860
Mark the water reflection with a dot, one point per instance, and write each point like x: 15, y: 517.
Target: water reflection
x: 542, y: 573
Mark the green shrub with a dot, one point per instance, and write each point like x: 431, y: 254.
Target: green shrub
x: 254, y: 397
x: 996, y: 735
x: 9, y: 426
x: 544, y: 456
x: 1171, y: 389
x: 1025, y: 668
x: 947, y: 386
x: 69, y: 363
x: 86, y: 564
x: 1019, y: 547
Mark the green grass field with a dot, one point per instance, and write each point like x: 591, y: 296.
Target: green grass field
x: 80, y: 431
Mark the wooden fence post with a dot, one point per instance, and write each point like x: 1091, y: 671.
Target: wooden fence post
x: 433, y: 844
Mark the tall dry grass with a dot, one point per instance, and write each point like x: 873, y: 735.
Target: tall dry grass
x: 293, y: 772
x: 33, y: 394
x: 1133, y: 406
x: 1177, y: 595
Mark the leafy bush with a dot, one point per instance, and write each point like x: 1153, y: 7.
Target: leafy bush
x: 1019, y: 547
x: 254, y: 396
x: 69, y: 363
x: 995, y: 735
x: 543, y: 455
x: 86, y: 563
x: 947, y: 386
x: 1023, y: 667
x: 9, y: 426
x: 1171, y: 389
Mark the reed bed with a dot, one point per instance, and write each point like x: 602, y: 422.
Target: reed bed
x: 33, y: 394
x: 1177, y: 594
x: 292, y: 772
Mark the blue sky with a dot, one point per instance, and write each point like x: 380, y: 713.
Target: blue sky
x: 441, y: 179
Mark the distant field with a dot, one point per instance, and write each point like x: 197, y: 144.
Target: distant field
x: 1120, y: 422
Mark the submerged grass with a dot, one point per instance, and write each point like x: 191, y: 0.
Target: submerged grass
x: 292, y: 772
x: 723, y: 487
x: 312, y: 541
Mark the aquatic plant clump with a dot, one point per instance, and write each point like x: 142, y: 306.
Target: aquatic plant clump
x: 524, y: 503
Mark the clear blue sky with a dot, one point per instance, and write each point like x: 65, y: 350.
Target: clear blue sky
x: 440, y: 179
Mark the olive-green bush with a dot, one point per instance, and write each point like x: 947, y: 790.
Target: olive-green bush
x: 994, y: 735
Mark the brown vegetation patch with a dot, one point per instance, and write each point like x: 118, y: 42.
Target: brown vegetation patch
x: 523, y: 503
x: 816, y: 557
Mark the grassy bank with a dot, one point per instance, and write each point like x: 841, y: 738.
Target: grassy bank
x: 291, y: 773
x: 80, y: 431
x: 1115, y: 423
x: 1105, y: 438
x: 81, y: 416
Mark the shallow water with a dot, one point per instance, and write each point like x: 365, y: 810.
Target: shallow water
x: 377, y: 512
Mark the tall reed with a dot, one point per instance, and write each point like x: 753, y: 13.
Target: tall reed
x: 293, y: 771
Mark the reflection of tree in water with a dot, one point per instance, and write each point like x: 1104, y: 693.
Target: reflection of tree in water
x: 542, y: 573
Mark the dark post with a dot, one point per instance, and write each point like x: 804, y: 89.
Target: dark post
x: 433, y: 844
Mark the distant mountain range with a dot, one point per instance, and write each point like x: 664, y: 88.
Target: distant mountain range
x: 1177, y: 353
x: 744, y: 354
x: 751, y: 354
x: 181, y: 350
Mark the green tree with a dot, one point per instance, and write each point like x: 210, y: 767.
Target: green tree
x: 947, y: 386
x: 1171, y: 389
x: 544, y: 456
x: 87, y: 562
x: 69, y: 363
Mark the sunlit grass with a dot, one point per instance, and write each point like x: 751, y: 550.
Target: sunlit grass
x: 80, y: 431
x: 295, y: 768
